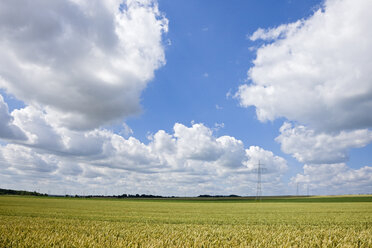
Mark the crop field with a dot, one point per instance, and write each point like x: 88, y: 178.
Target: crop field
x: 283, y: 222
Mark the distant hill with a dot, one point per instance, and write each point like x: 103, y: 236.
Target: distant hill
x: 19, y: 192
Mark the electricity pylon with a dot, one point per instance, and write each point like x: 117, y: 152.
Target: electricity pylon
x: 259, y: 188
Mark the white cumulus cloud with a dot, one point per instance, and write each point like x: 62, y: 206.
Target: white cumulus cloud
x: 316, y: 71
x: 83, y: 62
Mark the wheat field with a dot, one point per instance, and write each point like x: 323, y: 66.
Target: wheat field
x: 71, y: 222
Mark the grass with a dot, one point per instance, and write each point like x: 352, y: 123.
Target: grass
x: 193, y: 222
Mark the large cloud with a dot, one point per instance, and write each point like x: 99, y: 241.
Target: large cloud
x: 83, y: 62
x: 101, y: 157
x: 316, y: 71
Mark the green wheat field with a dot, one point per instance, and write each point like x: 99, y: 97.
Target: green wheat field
x: 191, y: 222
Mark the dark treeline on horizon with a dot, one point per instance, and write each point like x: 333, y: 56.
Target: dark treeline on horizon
x: 145, y: 196
x: 19, y: 192
x: 128, y: 196
x: 219, y: 196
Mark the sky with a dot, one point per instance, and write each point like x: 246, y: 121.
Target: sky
x: 183, y: 98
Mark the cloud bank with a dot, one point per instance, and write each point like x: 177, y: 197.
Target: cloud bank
x: 191, y: 160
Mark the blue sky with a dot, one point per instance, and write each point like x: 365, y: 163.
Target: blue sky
x: 185, y: 97
x: 209, y: 56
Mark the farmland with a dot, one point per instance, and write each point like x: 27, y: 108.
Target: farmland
x: 275, y: 222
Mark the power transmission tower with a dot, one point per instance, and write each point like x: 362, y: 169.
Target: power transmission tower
x: 297, y: 192
x: 308, y: 190
x: 259, y: 188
